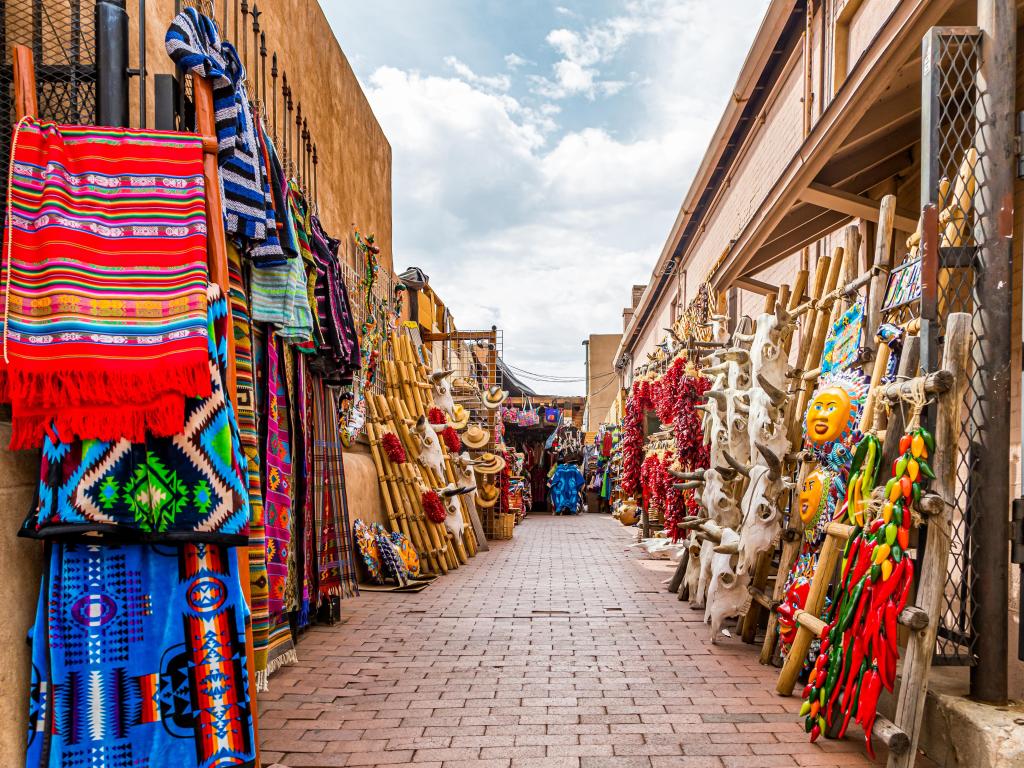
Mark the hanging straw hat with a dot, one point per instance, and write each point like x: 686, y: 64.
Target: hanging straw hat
x: 489, y: 464
x: 494, y: 397
x: 459, y: 418
x: 475, y: 438
x: 487, y: 496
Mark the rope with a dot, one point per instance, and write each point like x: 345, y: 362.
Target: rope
x: 918, y: 400
x: 10, y: 231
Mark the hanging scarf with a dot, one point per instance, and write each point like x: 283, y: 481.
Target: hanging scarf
x: 194, y: 45
x: 138, y: 658
x: 106, y: 320
x: 189, y: 487
x: 336, y: 570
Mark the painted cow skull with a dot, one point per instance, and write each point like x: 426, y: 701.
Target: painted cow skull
x: 454, y: 521
x: 424, y: 434
x: 441, y: 391
x: 727, y: 591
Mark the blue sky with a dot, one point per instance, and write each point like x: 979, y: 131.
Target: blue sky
x: 541, y: 150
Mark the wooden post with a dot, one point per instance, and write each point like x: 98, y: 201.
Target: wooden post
x: 23, y: 63
x: 217, y: 256
x: 932, y: 572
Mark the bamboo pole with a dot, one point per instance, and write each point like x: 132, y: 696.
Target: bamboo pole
x: 398, y: 507
x: 825, y: 272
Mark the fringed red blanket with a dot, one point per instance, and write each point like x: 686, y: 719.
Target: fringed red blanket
x: 104, y: 272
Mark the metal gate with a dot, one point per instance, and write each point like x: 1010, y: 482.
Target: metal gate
x: 966, y: 269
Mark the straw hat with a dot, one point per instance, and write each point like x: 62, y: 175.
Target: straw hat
x: 489, y: 464
x: 494, y: 397
x: 459, y: 418
x: 475, y: 438
x: 487, y: 496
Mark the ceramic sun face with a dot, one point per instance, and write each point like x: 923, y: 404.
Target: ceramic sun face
x: 828, y: 415
x: 834, y: 411
x: 810, y: 495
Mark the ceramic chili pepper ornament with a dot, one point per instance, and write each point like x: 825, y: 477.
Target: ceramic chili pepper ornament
x: 859, y: 650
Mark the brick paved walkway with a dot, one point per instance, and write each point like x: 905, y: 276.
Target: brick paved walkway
x: 557, y: 649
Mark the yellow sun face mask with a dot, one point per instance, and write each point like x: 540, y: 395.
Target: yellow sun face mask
x: 810, y: 495
x: 828, y: 415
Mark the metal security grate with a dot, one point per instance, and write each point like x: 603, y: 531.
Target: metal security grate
x: 62, y: 37
x: 949, y: 164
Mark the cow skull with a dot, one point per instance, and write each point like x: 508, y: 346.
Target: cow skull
x: 766, y: 418
x: 760, y: 507
x: 727, y: 591
x: 424, y: 434
x: 454, y: 521
x: 766, y: 354
x: 441, y: 391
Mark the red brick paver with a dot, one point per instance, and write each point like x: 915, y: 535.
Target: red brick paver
x: 558, y: 649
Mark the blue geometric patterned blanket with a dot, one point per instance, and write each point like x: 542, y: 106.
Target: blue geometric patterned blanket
x: 189, y: 487
x: 138, y: 659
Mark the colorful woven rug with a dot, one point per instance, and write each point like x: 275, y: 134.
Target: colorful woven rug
x: 138, y: 659
x: 106, y: 323
x: 248, y: 429
x: 338, y: 566
x: 278, y: 500
x: 189, y: 487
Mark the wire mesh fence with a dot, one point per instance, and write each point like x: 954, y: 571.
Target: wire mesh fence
x: 62, y: 37
x: 951, y: 124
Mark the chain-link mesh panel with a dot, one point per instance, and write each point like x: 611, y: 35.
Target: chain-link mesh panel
x: 953, y: 123
x: 62, y: 37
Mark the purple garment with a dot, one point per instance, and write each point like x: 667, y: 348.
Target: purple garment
x: 338, y: 356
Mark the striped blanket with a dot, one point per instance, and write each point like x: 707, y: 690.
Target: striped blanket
x: 105, y: 327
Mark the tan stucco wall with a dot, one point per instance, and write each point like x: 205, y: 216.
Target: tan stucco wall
x: 603, y: 384
x: 354, y: 171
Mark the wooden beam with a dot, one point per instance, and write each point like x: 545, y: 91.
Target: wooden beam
x: 753, y: 285
x: 852, y: 204
x: 811, y: 228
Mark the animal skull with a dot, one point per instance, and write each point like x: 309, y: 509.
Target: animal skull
x: 424, y: 434
x: 454, y: 521
x: 765, y: 420
x: 442, y: 391
x: 766, y: 357
x: 762, y: 518
x: 727, y: 591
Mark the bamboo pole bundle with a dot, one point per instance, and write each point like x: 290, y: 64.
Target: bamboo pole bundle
x: 410, y: 378
x: 429, y: 476
x: 401, y: 514
x: 413, y: 487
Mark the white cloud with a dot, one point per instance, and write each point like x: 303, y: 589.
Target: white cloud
x: 492, y: 83
x: 538, y: 229
x: 514, y: 61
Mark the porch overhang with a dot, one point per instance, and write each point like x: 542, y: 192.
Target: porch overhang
x: 868, y: 134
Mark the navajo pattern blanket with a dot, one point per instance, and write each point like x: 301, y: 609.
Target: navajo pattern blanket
x: 189, y: 487
x: 138, y: 659
x: 105, y: 327
x: 277, y: 507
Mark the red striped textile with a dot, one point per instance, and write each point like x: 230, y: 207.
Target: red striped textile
x: 105, y: 321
